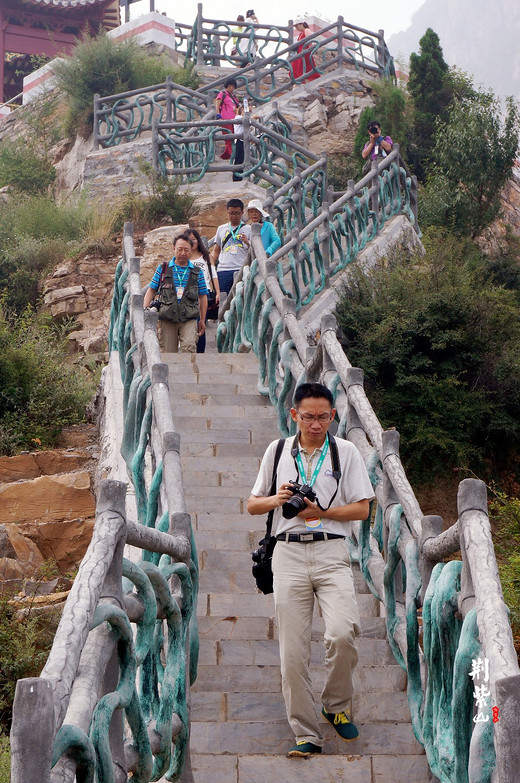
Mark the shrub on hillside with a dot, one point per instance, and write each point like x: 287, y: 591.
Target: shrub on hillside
x: 24, y: 169
x: 39, y: 392
x: 439, y: 346
x: 165, y: 202
x: 106, y: 66
x: 504, y: 513
x: 23, y: 266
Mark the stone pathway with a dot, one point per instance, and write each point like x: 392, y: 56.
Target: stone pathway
x: 240, y: 732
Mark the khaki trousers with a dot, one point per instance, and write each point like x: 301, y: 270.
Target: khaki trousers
x: 175, y: 337
x: 302, y: 571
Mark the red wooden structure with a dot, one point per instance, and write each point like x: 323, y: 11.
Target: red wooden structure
x: 46, y: 27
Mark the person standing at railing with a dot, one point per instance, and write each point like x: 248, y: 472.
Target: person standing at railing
x: 226, y: 105
x: 270, y: 239
x: 378, y: 146
x: 311, y: 561
x: 236, y: 51
x: 252, y: 17
x: 305, y: 62
x: 200, y: 257
x: 182, y: 299
x: 231, y: 245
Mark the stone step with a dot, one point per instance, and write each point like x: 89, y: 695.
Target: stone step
x: 203, y: 492
x: 208, y: 448
x: 223, y: 407
x: 258, y: 707
x: 218, y: 521
x: 264, y: 652
x: 276, y: 738
x: 205, y: 395
x: 344, y: 768
x: 259, y: 605
x: 238, y: 462
x: 234, y: 627
x: 240, y: 580
x: 186, y: 382
x: 267, y: 679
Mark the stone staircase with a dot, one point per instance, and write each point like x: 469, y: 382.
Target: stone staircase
x: 239, y: 727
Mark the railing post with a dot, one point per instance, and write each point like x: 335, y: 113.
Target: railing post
x: 340, y: 41
x: 97, y: 97
x: 155, y: 144
x: 246, y: 126
x: 374, y: 194
x: 32, y: 731
x: 169, y: 101
x: 200, y: 53
x: 431, y: 528
x: 380, y: 51
x: 291, y: 33
x: 508, y: 729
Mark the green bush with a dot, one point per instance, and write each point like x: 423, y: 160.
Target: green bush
x: 107, y: 67
x: 439, y: 345
x: 23, y: 267
x: 39, y: 392
x: 40, y: 217
x: 24, y: 169
x: 504, y: 514
x: 165, y: 201
x: 5, y: 759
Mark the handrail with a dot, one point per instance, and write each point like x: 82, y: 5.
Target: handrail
x: 396, y: 544
x: 65, y: 711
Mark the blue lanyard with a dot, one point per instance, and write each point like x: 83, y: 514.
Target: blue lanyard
x: 234, y: 233
x: 185, y: 274
x: 301, y: 468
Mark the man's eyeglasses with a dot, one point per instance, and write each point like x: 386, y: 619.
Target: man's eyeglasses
x: 307, y: 418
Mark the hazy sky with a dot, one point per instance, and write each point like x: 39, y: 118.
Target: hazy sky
x: 391, y: 17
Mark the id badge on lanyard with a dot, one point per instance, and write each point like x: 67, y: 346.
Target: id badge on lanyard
x: 313, y: 523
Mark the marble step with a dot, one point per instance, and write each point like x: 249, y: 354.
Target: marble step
x: 264, y: 652
x: 344, y: 768
x: 223, y: 406
x: 267, y: 679
x: 208, y: 396
x: 275, y: 738
x: 247, y: 628
x: 383, y: 707
x: 209, y: 383
x: 259, y: 605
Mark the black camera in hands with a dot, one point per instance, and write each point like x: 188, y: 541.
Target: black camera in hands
x: 291, y: 508
x: 373, y: 130
x: 155, y: 305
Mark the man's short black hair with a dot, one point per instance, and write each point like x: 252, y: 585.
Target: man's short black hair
x: 235, y: 202
x: 314, y: 390
x: 373, y: 122
x: 184, y: 236
x: 230, y: 82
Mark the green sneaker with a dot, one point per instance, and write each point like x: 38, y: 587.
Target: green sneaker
x: 341, y: 724
x: 303, y: 748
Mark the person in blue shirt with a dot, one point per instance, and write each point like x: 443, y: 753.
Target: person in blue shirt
x: 270, y: 239
x: 182, y: 299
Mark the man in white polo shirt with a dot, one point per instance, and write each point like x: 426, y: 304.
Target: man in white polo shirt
x: 231, y: 245
x: 311, y: 559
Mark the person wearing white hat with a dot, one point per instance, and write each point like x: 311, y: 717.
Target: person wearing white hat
x: 256, y: 214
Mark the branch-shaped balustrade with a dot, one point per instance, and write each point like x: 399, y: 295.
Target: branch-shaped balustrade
x: 401, y: 552
x: 106, y: 704
x: 128, y: 115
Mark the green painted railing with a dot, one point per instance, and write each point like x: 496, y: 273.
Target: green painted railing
x: 400, y: 552
x: 126, y: 650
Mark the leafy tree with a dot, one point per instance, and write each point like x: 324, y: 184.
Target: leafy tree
x: 473, y: 157
x: 430, y: 89
x: 439, y: 346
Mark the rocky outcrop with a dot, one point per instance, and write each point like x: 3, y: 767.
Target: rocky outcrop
x: 47, y: 508
x: 82, y: 288
x: 493, y: 240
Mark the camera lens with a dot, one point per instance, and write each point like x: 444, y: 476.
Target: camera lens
x: 292, y: 507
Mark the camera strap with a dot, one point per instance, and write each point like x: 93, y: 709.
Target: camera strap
x: 277, y: 455
x: 334, y: 457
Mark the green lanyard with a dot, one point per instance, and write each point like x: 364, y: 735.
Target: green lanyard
x: 301, y: 468
x: 234, y: 233
x: 182, y: 280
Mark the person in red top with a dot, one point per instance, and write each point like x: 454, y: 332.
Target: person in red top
x: 305, y: 63
x: 226, y: 106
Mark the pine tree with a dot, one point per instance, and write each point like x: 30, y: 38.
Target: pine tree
x: 429, y: 86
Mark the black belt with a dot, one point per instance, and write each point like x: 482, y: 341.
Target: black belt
x: 307, y: 538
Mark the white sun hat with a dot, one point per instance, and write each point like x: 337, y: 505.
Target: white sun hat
x: 255, y: 203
